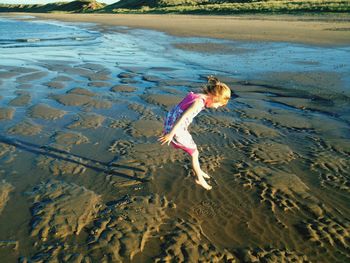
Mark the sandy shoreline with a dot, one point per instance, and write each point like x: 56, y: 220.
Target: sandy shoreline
x: 298, y: 29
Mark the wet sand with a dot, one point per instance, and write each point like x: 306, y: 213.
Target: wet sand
x: 83, y: 178
x: 318, y: 30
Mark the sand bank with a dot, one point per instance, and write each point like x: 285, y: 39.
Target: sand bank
x: 318, y: 30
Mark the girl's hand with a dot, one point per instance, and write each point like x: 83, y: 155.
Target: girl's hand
x: 166, y: 138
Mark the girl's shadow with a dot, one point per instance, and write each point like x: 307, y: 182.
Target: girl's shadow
x: 73, y: 158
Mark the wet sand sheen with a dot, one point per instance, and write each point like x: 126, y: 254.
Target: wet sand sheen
x: 79, y: 155
x: 251, y: 28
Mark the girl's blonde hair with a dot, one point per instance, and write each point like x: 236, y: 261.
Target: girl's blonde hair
x: 218, y: 90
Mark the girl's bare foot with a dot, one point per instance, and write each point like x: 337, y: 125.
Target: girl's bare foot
x: 203, y: 183
x: 205, y: 175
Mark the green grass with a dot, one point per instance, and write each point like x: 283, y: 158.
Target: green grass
x: 281, y: 6
x: 191, y: 7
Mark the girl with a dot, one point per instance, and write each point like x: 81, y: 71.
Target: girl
x: 215, y: 94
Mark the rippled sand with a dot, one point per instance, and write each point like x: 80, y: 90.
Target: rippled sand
x: 83, y: 178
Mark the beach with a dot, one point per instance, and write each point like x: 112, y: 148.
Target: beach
x: 310, y: 29
x: 82, y: 102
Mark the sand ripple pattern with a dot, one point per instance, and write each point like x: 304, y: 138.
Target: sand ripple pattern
x: 146, y: 128
x: 7, y: 153
x: 23, y: 99
x: 272, y: 152
x: 88, y: 121
x: 73, y: 166
x: 280, y: 190
x: 123, y: 229
x: 140, y: 160
x: 6, y: 113
x: 46, y: 112
x: 145, y: 112
x: 73, y: 99
x: 66, y: 140
x: 186, y: 244
x: 25, y: 128
x: 328, y: 231
x: 61, y: 209
x: 334, y: 170
x: 273, y: 255
x: 5, y: 190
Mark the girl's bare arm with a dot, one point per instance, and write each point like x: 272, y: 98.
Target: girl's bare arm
x: 196, y: 106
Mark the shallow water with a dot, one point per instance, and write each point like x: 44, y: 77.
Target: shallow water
x: 79, y: 120
x: 22, y: 33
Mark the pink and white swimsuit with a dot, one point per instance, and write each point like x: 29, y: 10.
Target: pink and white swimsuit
x: 183, y: 139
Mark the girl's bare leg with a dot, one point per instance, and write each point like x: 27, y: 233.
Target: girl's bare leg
x: 196, y: 165
x: 200, y: 174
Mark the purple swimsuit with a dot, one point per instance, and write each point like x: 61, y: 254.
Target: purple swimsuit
x: 183, y: 138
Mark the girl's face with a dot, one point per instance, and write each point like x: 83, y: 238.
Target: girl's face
x: 216, y: 105
x: 212, y: 103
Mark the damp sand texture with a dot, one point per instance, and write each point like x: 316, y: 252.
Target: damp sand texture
x: 83, y: 178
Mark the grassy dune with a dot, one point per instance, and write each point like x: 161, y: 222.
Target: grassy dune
x: 277, y: 6
x: 187, y: 6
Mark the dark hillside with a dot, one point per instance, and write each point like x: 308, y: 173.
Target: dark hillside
x: 224, y: 7
x: 209, y: 7
x: 78, y: 6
